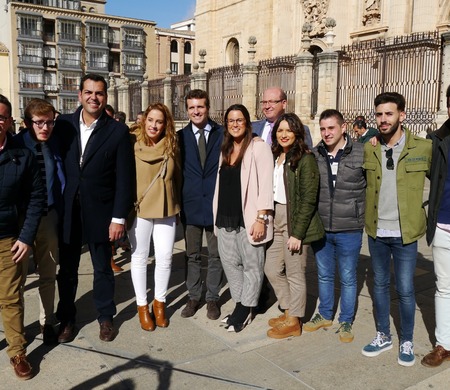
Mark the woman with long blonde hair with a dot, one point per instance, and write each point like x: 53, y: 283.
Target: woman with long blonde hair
x: 158, y: 177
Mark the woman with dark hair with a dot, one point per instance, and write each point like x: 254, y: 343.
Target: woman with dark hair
x: 158, y: 177
x: 296, y: 223
x: 243, y: 204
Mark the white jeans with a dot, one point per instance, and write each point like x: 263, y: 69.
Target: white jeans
x: 163, y: 230
x: 441, y: 258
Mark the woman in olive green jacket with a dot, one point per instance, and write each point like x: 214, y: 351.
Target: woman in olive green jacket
x: 158, y: 178
x: 296, y: 223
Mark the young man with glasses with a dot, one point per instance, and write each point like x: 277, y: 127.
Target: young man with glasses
x: 395, y: 219
x: 37, y: 137
x: 273, y: 105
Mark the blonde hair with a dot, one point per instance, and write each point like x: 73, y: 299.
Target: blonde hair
x: 169, y: 133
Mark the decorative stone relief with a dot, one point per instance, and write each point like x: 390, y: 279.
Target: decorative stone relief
x: 372, y: 12
x: 315, y: 14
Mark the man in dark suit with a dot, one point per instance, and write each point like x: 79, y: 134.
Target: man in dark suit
x: 99, y: 193
x: 200, y: 143
x: 274, y: 105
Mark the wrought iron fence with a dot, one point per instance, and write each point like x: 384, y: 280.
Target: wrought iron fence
x: 135, y: 92
x: 277, y: 72
x: 410, y: 65
x: 181, y: 85
x: 155, y: 91
x: 224, y: 89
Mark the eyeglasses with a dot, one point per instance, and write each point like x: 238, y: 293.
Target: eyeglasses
x: 3, y: 118
x: 41, y: 124
x: 239, y: 121
x: 390, y: 160
x: 270, y: 103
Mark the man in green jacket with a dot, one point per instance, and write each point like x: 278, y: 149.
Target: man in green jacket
x: 395, y: 219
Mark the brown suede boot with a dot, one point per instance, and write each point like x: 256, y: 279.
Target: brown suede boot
x: 290, y: 327
x: 278, y: 320
x: 145, y: 318
x: 160, y: 314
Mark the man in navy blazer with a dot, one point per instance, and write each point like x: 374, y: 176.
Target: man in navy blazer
x: 99, y: 194
x: 274, y: 105
x: 197, y: 197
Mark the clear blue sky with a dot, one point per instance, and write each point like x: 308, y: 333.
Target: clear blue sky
x: 163, y: 12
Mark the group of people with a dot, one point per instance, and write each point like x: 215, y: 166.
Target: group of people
x: 261, y: 194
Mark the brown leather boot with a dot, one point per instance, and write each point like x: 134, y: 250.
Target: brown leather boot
x: 290, y: 327
x: 114, y: 266
x: 160, y: 314
x: 278, y: 320
x: 145, y: 318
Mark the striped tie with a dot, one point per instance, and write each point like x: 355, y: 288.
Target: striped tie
x: 41, y: 164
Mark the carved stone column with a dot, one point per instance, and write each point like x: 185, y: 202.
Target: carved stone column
x: 144, y: 93
x: 112, y: 90
x: 168, y: 90
x: 124, y: 100
x: 303, y: 77
x: 202, y: 79
x: 250, y: 80
x: 328, y: 71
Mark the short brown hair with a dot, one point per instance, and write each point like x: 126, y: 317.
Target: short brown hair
x: 38, y: 107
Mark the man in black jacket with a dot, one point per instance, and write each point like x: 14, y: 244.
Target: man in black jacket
x: 21, y: 199
x: 99, y: 193
x: 438, y: 236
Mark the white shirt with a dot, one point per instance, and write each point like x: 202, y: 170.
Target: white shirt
x: 279, y: 190
x: 206, y: 129
x: 266, y: 130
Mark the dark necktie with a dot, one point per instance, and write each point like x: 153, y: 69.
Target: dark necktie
x: 41, y: 164
x: 202, y: 146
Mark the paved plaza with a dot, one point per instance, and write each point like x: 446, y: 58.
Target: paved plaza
x: 197, y: 353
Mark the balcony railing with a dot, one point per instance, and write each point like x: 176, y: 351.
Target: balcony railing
x: 31, y: 85
x: 30, y: 33
x: 30, y: 59
x: 69, y: 37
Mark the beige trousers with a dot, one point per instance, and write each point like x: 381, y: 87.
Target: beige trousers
x: 285, y: 269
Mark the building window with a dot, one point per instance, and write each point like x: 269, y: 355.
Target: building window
x: 97, y: 59
x: 30, y: 79
x: 67, y: 105
x: 232, y: 52
x: 69, y: 81
x: 69, y: 31
x: 187, y: 69
x: 187, y: 48
x: 174, y: 67
x: 97, y: 34
x: 30, y: 26
x: 69, y: 56
x: 30, y: 53
x: 133, y: 63
x: 133, y: 38
x: 174, y: 46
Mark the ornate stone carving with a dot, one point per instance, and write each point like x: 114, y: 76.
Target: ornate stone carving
x: 372, y: 12
x: 315, y: 14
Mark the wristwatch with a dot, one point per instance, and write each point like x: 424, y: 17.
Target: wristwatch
x: 263, y: 217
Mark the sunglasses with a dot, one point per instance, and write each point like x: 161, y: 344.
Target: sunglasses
x: 390, y: 160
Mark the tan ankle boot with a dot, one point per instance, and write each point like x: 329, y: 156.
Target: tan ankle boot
x: 160, y: 314
x: 145, y: 318
x: 278, y: 320
x: 290, y: 327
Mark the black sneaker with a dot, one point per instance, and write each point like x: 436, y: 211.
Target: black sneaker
x: 190, y: 309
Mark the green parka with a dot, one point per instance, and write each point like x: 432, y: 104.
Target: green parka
x: 302, y: 188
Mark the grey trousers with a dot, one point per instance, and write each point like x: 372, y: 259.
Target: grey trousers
x: 285, y: 269
x: 243, y: 264
x: 194, y: 237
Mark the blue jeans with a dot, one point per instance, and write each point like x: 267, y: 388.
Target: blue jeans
x: 405, y: 257
x: 341, y: 249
